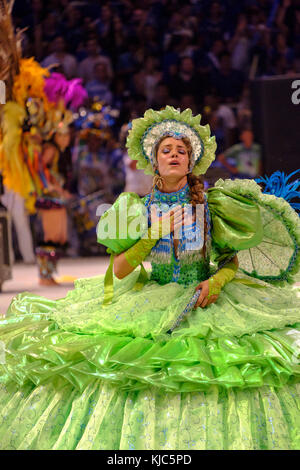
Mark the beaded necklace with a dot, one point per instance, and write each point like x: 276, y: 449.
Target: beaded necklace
x: 181, y: 196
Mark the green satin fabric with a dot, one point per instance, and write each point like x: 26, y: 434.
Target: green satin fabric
x: 178, y: 365
x: 228, y: 344
x: 142, y: 279
x: 77, y: 375
x: 236, y: 221
x: 57, y: 416
x: 109, y: 282
x: 127, y: 212
x: 80, y: 376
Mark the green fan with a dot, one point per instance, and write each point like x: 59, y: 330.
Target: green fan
x: 277, y: 258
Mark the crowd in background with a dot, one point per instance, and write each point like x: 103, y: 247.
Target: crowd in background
x: 133, y: 55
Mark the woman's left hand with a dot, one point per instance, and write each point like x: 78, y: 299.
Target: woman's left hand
x: 204, y: 300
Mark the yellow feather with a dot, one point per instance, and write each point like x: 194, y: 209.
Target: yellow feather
x: 30, y: 82
x: 12, y: 166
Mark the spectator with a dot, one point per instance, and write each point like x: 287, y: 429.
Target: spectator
x: 91, y: 165
x: 104, y: 24
x: 135, y: 180
x: 186, y: 54
x: 213, y: 56
x: 243, y: 159
x: 51, y: 28
x: 72, y: 26
x: 175, y: 24
x: 244, y: 113
x: 60, y: 57
x: 87, y: 66
x: 116, y: 166
x: 239, y: 46
x: 187, y: 82
x: 281, y: 50
x: 149, y: 40
x: 225, y: 118
x: 99, y: 89
x: 188, y: 101
x: 146, y: 79
x: 228, y: 82
x: 119, y: 37
x: 215, y: 25
x: 127, y: 61
x: 161, y: 97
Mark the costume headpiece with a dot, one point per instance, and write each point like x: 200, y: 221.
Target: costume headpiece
x: 147, y: 131
x: 97, y: 120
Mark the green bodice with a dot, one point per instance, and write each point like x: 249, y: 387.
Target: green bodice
x: 187, y: 274
x: 232, y: 223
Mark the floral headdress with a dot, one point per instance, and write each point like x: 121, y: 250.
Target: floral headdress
x: 147, y: 131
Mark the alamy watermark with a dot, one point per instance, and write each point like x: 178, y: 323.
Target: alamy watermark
x: 2, y: 92
x: 296, y: 94
x: 133, y: 221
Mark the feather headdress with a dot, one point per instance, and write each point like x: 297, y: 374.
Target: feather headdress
x: 10, y: 47
x: 279, y: 184
x: 30, y: 82
x: 58, y: 88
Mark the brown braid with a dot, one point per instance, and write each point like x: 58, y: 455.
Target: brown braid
x: 196, y: 189
x: 197, y: 197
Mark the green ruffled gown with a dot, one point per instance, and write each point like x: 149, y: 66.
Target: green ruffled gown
x: 80, y: 375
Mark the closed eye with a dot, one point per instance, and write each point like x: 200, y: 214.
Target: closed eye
x: 167, y: 150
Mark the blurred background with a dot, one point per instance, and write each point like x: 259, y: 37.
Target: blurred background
x: 235, y: 62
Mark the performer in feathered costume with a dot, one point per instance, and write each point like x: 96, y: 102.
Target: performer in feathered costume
x: 56, y: 168
x: 125, y: 362
x: 23, y: 78
x: 35, y: 140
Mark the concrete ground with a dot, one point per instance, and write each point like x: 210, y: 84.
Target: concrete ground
x: 25, y: 278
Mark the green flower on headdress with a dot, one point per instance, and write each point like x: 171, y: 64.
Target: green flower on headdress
x: 148, y: 130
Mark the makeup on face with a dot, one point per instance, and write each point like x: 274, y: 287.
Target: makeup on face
x: 172, y: 153
x: 168, y: 150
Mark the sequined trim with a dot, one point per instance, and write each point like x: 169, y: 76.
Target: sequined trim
x: 176, y: 129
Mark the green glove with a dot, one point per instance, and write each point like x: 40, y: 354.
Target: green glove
x: 222, y: 277
x: 160, y: 228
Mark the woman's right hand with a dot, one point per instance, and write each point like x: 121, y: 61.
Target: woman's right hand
x: 169, y: 222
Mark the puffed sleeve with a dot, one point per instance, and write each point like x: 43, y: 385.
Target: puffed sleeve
x: 123, y: 223
x: 236, y: 222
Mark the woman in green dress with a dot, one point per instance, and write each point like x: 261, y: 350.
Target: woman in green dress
x: 117, y: 364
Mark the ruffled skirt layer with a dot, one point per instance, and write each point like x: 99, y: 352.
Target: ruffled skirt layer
x: 58, y: 416
x: 77, y: 375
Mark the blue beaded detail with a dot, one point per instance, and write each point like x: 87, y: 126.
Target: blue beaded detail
x: 176, y: 271
x: 190, y: 243
x: 181, y: 196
